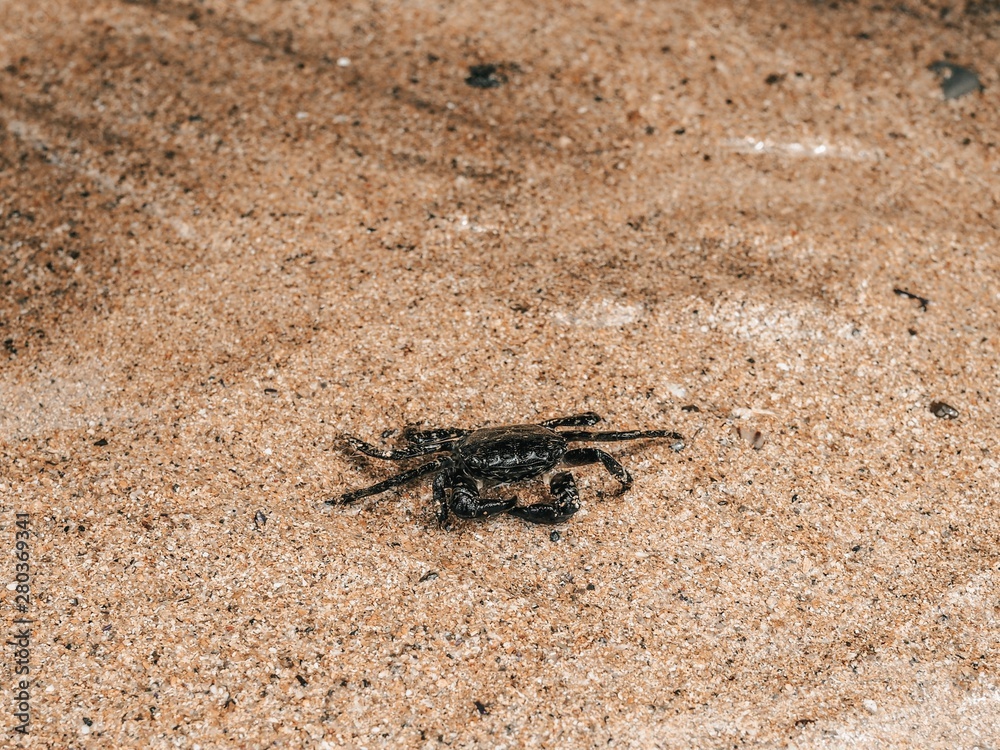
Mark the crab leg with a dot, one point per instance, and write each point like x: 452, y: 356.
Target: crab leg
x: 581, y: 456
x: 577, y: 420
x: 440, y: 437
x: 614, y: 437
x: 406, y: 476
x: 466, y: 501
x: 567, y: 502
x: 390, y: 455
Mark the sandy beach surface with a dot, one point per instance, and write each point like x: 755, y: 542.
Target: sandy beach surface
x: 232, y: 234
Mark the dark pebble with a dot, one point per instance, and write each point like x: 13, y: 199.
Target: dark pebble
x: 484, y: 77
x: 941, y: 410
x: 956, y: 81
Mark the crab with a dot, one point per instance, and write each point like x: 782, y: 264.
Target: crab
x: 475, y: 460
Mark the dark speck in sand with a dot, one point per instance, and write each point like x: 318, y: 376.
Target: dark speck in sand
x: 485, y: 77
x: 956, y: 80
x: 941, y: 410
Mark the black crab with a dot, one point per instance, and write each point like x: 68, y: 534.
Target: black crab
x: 475, y: 460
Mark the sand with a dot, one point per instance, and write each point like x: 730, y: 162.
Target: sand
x: 232, y: 234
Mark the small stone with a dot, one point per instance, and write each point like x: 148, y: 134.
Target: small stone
x: 956, y: 80
x: 941, y: 410
x: 485, y: 77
